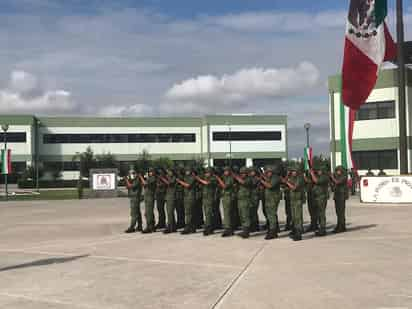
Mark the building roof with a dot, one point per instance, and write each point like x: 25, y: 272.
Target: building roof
x: 55, y: 121
x: 386, y: 79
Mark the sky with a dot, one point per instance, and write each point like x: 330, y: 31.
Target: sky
x: 175, y: 57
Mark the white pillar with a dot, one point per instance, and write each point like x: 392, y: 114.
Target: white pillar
x: 249, y: 162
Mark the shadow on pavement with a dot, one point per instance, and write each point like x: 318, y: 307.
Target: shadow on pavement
x: 44, y: 262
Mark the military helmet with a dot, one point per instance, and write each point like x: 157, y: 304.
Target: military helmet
x: 243, y: 170
x: 208, y: 170
x: 227, y: 168
x: 268, y: 169
x: 151, y: 169
x: 293, y: 166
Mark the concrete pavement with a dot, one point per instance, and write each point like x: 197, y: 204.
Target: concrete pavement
x: 71, y: 254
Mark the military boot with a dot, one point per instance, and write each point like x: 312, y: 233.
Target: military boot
x: 188, y: 230
x: 208, y: 231
x: 321, y: 233
x: 271, y: 234
x: 245, y: 233
x: 297, y: 236
x: 160, y: 226
x: 130, y: 230
x: 227, y: 233
x: 148, y: 230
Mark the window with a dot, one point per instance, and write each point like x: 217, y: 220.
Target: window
x: 14, y: 137
x: 266, y: 162
x: 118, y: 138
x: 376, y: 110
x: 384, y: 159
x: 247, y: 136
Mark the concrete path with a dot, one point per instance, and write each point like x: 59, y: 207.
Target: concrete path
x: 72, y: 254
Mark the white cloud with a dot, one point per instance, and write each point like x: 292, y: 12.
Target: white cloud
x: 121, y: 110
x: 25, y: 95
x: 246, y: 84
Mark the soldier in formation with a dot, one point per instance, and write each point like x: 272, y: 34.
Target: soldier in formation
x: 240, y: 191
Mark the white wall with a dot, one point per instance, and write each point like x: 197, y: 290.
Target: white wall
x: 20, y: 148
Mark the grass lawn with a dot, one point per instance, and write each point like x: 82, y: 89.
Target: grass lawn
x: 67, y: 194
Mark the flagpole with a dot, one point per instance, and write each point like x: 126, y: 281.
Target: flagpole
x: 403, y: 140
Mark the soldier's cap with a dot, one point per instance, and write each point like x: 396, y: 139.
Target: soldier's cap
x: 292, y: 166
x: 151, y: 169
x: 268, y: 169
x: 132, y: 171
x: 340, y: 167
x: 227, y: 168
x: 208, y: 170
x: 243, y: 170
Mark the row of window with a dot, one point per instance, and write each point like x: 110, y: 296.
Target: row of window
x: 247, y: 136
x: 376, y: 110
x: 14, y: 137
x: 384, y: 159
x: 118, y: 138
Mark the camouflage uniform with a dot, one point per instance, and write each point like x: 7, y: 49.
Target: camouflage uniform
x: 296, y: 203
x: 160, y: 196
x: 320, y: 198
x: 134, y: 193
x: 149, y: 199
x: 227, y: 201
x: 244, y: 195
x: 341, y: 194
x: 171, y: 203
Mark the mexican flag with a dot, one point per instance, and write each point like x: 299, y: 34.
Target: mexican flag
x: 308, y: 158
x: 6, y: 161
x: 368, y: 44
x: 346, y: 120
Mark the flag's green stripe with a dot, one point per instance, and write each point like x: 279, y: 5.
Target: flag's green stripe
x: 381, y: 11
x: 343, y: 152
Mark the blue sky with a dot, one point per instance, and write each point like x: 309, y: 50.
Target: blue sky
x: 168, y: 57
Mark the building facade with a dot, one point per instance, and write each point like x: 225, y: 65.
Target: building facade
x: 376, y: 130
x: 220, y: 139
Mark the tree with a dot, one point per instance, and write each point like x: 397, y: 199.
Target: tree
x: 87, y: 161
x: 143, y: 161
x: 106, y: 160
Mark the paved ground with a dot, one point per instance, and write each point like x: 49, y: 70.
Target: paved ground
x: 73, y: 255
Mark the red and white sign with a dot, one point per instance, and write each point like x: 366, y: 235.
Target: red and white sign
x: 386, y: 190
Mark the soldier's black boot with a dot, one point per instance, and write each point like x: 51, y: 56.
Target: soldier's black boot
x: 227, y: 233
x: 130, y: 230
x: 188, y: 230
x: 287, y: 227
x: 167, y: 230
x: 321, y: 233
x: 148, y: 230
x: 208, y: 231
x: 245, y: 233
x: 139, y: 225
x: 297, y: 236
x: 271, y: 234
x: 160, y: 226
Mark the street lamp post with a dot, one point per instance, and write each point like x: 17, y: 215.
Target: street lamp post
x: 307, y: 128
x: 5, y: 128
x: 230, y: 143
x: 37, y: 153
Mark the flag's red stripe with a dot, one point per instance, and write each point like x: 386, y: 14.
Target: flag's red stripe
x: 352, y: 115
x: 359, y: 75
x: 391, y: 49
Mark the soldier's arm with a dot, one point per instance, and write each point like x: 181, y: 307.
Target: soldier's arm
x: 164, y: 180
x: 202, y: 181
x: 184, y: 184
x: 221, y: 182
x: 239, y: 180
x: 142, y: 180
